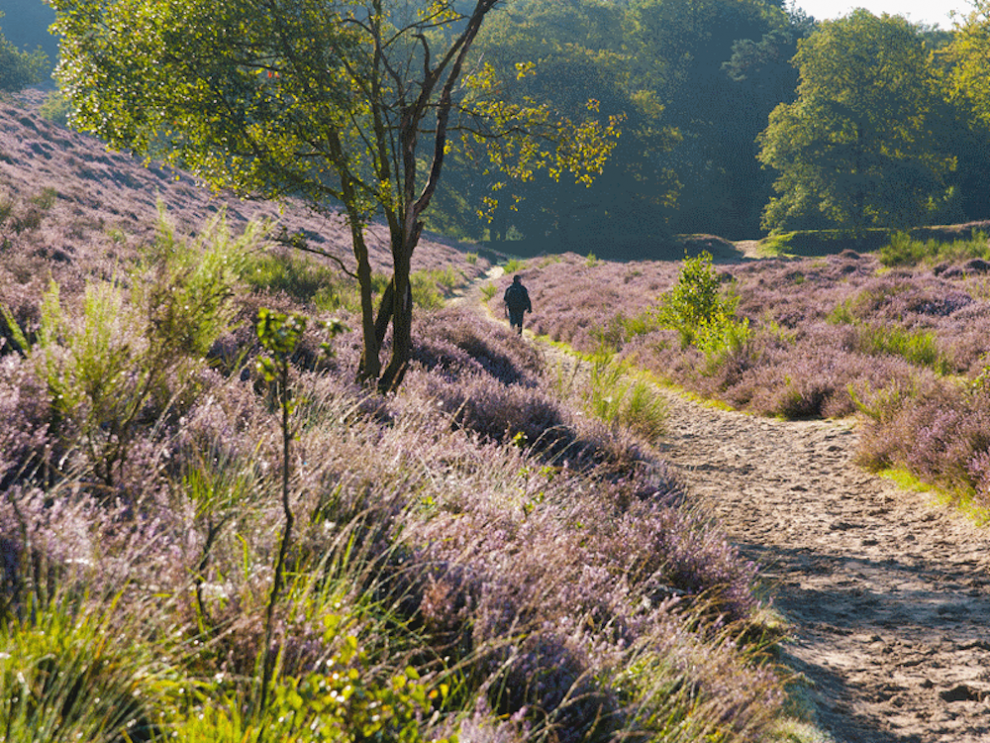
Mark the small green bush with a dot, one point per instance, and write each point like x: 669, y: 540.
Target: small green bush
x: 117, y: 361
x: 701, y: 313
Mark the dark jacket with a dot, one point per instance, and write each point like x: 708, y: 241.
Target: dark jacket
x: 516, y: 298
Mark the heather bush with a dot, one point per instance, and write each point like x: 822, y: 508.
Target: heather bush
x: 939, y: 432
x: 24, y: 405
x: 112, y: 365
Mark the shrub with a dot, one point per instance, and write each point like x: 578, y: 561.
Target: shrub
x: 938, y: 432
x: 700, y: 312
x: 114, y: 364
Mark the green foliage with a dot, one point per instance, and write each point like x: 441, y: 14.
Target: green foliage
x: 65, y: 676
x: 343, y: 700
x: 300, y: 277
x: 863, y: 143
x: 514, y: 265
x: 19, y: 69
x: 114, y: 363
x: 185, y: 290
x: 617, y: 400
x: 430, y: 286
x: 620, y: 329
x: 966, y: 56
x: 488, y: 291
x: 918, y: 347
x: 55, y: 109
x: 303, y: 102
x: 722, y: 335
x: 701, y: 313
x: 280, y: 335
x: 903, y: 250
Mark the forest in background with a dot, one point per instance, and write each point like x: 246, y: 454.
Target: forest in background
x: 728, y: 128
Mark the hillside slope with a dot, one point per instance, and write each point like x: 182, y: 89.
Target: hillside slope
x: 67, y: 198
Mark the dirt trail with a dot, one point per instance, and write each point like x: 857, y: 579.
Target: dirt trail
x: 888, y: 595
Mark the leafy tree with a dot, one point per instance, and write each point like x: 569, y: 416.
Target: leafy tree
x: 18, y: 69
x: 582, y: 51
x: 862, y: 144
x: 965, y: 61
x: 718, y: 67
x: 341, y: 102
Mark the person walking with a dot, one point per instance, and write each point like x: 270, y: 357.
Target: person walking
x: 516, y: 299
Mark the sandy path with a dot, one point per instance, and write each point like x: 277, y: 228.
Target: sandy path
x: 889, y: 596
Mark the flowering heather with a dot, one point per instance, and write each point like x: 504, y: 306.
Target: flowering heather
x: 72, y: 209
x: 542, y: 574
x: 825, y: 333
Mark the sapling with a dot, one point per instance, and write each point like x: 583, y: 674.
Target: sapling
x: 279, y: 335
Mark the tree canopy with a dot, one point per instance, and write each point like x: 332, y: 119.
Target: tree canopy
x: 345, y: 103
x: 18, y: 68
x: 861, y: 144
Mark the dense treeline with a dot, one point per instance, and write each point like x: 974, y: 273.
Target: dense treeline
x: 741, y: 117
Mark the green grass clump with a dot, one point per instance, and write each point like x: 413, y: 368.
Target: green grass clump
x: 65, y: 675
x: 616, y: 399
x: 919, y: 347
x: 431, y: 286
x: 903, y: 250
x: 299, y: 277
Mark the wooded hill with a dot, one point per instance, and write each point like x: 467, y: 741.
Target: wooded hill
x: 741, y: 117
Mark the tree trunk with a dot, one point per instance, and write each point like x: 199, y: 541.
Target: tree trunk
x: 401, y: 327
x: 370, y: 366
x: 385, y: 309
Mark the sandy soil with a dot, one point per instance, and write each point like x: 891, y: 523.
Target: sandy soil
x: 888, y: 595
